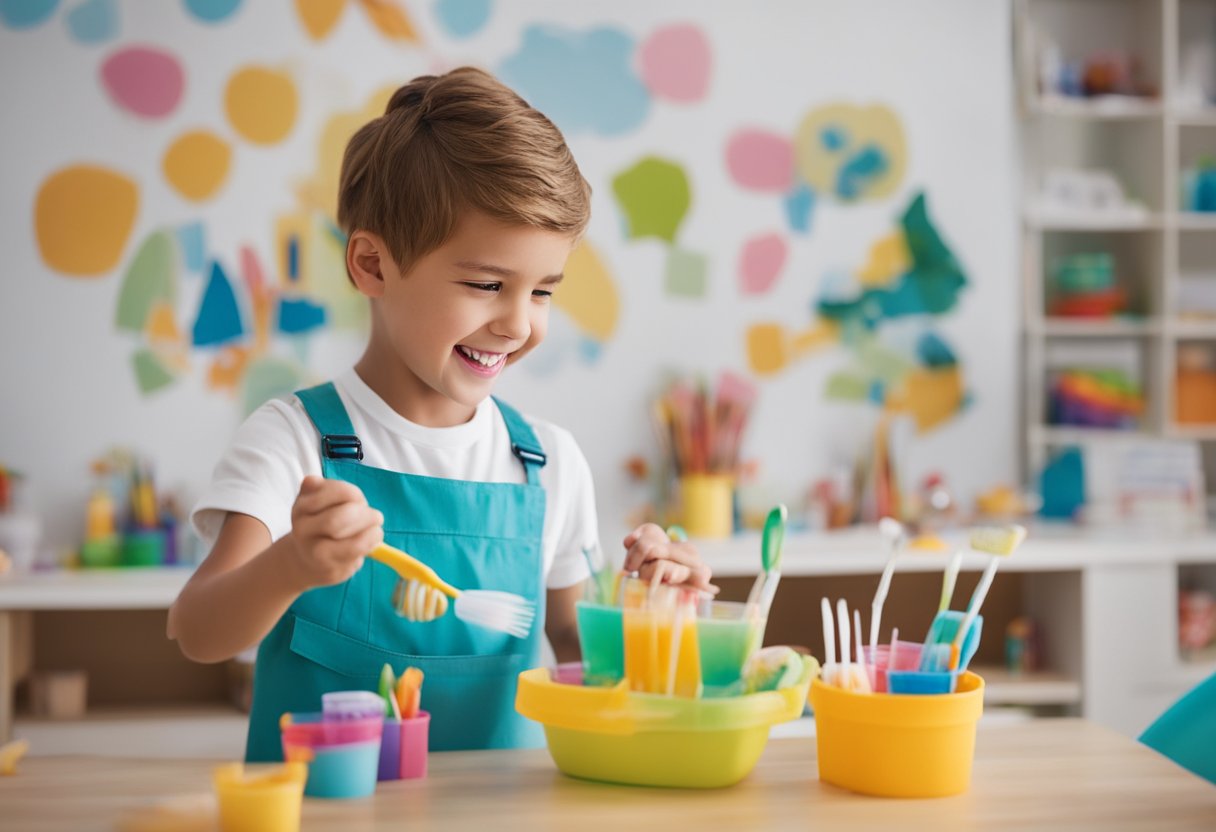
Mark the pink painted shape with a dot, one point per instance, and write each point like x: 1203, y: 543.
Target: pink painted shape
x: 760, y: 263
x: 675, y: 63
x: 146, y: 81
x: 251, y: 270
x: 760, y: 160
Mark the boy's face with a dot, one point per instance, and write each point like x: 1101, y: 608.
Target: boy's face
x: 468, y: 309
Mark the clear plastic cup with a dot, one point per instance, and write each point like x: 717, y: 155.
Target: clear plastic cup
x: 727, y: 633
x: 352, y: 704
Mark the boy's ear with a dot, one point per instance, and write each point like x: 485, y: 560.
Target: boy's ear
x: 367, y: 261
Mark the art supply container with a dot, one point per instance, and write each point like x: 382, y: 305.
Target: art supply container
x: 266, y: 800
x: 143, y: 547
x: 601, y: 636
x: 618, y: 736
x: 708, y: 504
x: 389, y: 767
x: 907, y: 657
x: 343, y: 755
x: 727, y: 633
x: 898, y: 746
x: 352, y: 704
x: 415, y: 741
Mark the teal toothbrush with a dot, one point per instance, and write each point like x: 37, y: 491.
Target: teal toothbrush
x: 760, y: 599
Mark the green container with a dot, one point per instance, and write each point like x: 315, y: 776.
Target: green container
x: 601, y: 635
x: 726, y: 636
x: 1085, y: 273
x: 101, y: 553
x: 143, y: 547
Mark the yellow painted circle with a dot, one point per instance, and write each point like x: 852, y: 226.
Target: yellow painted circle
x: 261, y: 104
x: 83, y: 215
x: 197, y: 164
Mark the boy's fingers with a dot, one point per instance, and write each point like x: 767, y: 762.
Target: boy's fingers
x: 350, y: 519
x: 329, y: 493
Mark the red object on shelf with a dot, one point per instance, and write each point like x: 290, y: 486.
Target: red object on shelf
x: 1101, y: 304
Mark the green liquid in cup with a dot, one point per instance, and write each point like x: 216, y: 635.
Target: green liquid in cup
x: 725, y: 645
x: 602, y: 638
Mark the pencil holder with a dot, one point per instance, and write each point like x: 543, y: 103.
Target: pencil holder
x: 415, y: 742
x: 891, y: 745
x: 708, y: 504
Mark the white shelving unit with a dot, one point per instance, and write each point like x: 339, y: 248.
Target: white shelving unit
x: 1147, y: 144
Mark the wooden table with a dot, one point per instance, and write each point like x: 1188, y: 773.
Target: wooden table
x: 1058, y: 774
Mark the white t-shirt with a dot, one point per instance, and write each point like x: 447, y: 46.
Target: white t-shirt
x: 278, y: 445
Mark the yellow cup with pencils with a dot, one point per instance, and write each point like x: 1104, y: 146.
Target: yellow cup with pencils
x: 707, y: 502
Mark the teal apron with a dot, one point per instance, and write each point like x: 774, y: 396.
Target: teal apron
x: 476, y: 535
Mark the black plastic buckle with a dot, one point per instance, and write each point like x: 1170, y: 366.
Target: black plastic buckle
x: 529, y: 455
x: 338, y: 446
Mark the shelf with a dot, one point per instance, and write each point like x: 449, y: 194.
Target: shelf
x: 152, y: 588
x: 209, y: 731
x: 1198, y: 432
x: 1035, y: 688
x: 1066, y: 435
x: 1102, y: 108
x: 1151, y: 222
x: 1194, y: 221
x: 1191, y: 328
x: 1205, y: 117
x: 1096, y: 328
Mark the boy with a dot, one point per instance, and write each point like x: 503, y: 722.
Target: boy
x: 460, y: 204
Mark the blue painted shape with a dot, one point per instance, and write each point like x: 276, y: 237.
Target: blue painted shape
x: 462, y: 18
x: 878, y: 392
x: 1062, y: 485
x: 584, y: 81
x: 191, y: 242
x: 590, y: 350
x: 298, y: 315
x: 94, y: 21
x: 833, y: 137
x: 212, y: 11
x: 862, y: 168
x: 934, y: 352
x: 799, y: 204
x: 25, y: 14
x: 293, y: 258
x: 219, y: 317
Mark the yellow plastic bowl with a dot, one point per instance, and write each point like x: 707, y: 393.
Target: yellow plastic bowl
x: 617, y: 736
x: 898, y: 745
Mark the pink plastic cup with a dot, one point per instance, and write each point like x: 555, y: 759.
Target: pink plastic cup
x: 907, y: 657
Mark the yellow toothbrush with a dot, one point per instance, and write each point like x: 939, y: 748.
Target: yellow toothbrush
x: 421, y: 597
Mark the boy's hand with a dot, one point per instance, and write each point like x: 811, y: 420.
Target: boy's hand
x: 651, y: 552
x: 332, y: 528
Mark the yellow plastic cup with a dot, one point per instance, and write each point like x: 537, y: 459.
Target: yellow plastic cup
x: 708, y: 503
x: 898, y: 745
x: 261, y: 801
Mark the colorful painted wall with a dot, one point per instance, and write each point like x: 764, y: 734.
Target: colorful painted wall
x: 819, y: 197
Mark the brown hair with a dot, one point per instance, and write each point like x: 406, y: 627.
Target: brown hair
x: 449, y: 143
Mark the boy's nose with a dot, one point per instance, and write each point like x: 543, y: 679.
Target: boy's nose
x: 513, y: 322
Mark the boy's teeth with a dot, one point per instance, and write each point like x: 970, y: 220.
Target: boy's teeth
x: 484, y: 359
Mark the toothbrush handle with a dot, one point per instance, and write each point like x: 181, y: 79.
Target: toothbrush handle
x: 973, y: 609
x: 949, y: 579
x: 829, y: 633
x: 410, y: 568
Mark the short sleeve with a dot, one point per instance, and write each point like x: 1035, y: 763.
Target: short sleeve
x: 576, y: 528
x: 261, y: 471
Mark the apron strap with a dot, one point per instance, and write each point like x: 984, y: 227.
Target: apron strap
x: 324, y: 407
x: 524, y: 443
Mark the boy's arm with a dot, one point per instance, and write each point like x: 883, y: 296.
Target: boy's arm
x: 561, y: 625
x: 247, y: 582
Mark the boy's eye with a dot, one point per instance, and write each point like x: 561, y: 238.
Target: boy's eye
x: 542, y: 293
x: 485, y: 287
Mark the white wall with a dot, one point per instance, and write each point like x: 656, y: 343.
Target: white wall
x: 942, y: 65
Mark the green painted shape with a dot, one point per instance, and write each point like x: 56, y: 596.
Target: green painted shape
x: 266, y: 378
x: 150, y: 373
x: 151, y: 277
x: 654, y: 195
x: 846, y: 386
x: 885, y: 364
x: 686, y: 273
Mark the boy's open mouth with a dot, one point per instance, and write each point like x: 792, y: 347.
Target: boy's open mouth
x: 483, y: 363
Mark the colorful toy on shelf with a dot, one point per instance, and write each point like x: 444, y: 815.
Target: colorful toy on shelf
x: 1195, y: 386
x: 1199, y: 186
x: 124, y: 522
x: 1096, y: 398
x: 1084, y: 287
